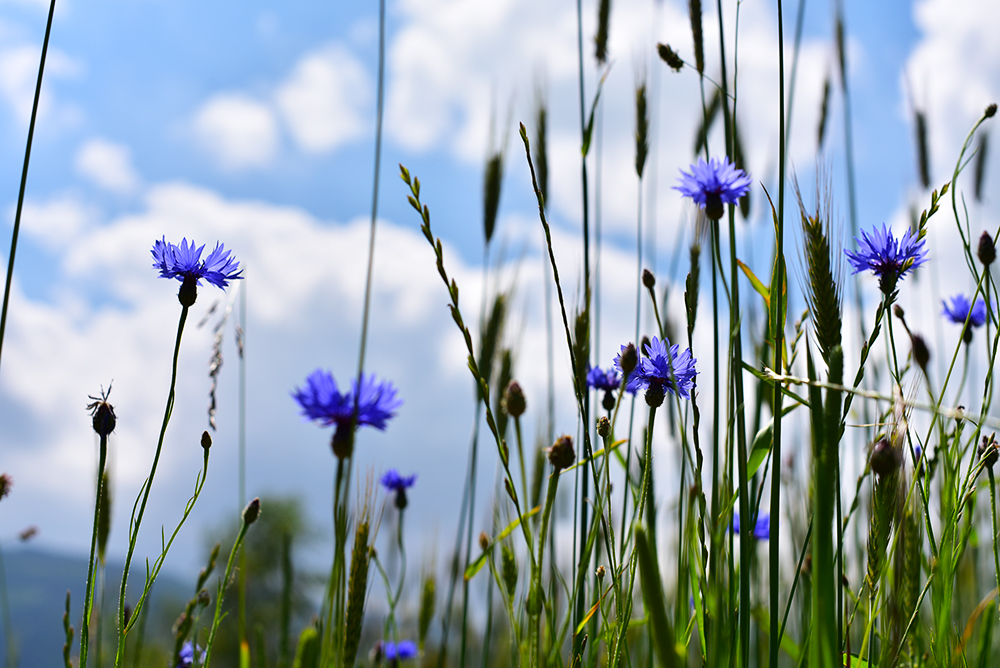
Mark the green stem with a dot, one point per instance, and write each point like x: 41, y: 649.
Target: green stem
x: 88, y: 597
x: 146, y: 487
x: 24, y: 175
x: 222, y: 590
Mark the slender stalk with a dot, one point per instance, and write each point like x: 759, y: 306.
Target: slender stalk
x: 24, y: 174
x: 222, y: 590
x: 88, y: 597
x: 146, y: 487
x: 8, y: 621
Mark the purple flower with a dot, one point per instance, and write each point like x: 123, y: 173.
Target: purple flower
x: 186, y: 656
x: 714, y: 183
x: 887, y: 257
x: 323, y: 402
x: 761, y: 530
x: 185, y: 264
x: 599, y: 379
x: 663, y: 365
x: 394, y: 482
x: 401, y: 651
x: 960, y: 310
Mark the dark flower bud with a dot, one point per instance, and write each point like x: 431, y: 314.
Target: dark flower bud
x: 343, y: 441
x: 484, y: 541
x: 991, y: 110
x: 600, y: 572
x: 5, y: 484
x: 206, y: 440
x: 967, y: 336
x: 513, y: 400
x: 670, y: 57
x: 251, y: 512
x: 603, y: 427
x: 103, y: 413
x: 987, y: 250
x: 654, y: 395
x: 608, y: 402
x: 988, y: 450
x: 714, y: 208
x: 885, y: 458
x: 644, y: 348
x: 561, y: 454
x: 629, y: 359
x: 898, y: 310
x: 648, y: 279
x: 204, y: 598
x: 921, y: 353
x: 188, y: 294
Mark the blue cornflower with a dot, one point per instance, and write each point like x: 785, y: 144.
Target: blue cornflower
x: 184, y: 263
x: 761, y: 530
x: 663, y: 366
x: 186, y: 655
x: 714, y: 183
x: 959, y: 310
x: 401, y: 651
x: 322, y: 401
x: 609, y: 381
x: 394, y: 482
x: 887, y: 257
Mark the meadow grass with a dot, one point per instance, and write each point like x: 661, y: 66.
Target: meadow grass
x: 890, y: 568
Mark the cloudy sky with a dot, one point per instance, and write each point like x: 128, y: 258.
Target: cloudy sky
x: 252, y: 123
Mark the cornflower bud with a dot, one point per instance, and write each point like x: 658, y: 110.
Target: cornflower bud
x: 513, y: 400
x: 648, y: 279
x: 251, y: 512
x: 561, y: 454
x: 603, y: 427
x: 885, y: 458
x: 987, y: 250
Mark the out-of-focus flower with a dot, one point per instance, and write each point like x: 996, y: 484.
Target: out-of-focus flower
x: 761, y: 530
x: 960, y: 310
x: 394, y: 482
x: 401, y: 651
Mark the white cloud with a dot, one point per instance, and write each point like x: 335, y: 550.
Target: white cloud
x: 238, y: 131
x: 107, y: 164
x: 325, y: 100
x: 19, y: 75
x: 56, y: 223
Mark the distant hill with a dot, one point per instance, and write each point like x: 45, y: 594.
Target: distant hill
x: 37, y: 584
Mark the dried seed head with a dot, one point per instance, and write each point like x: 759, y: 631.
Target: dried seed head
x: 251, y: 512
x: 694, y: 12
x: 5, y: 484
x: 601, y: 39
x: 513, y: 400
x: 987, y: 250
x: 603, y: 427
x: 648, y: 279
x: 670, y: 57
x: 641, y: 130
x: 561, y: 454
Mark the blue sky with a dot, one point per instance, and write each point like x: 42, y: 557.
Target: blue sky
x: 252, y: 122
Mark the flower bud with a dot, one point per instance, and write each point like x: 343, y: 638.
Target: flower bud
x: 898, y: 310
x: 654, y: 395
x: 188, y: 294
x: 603, y: 427
x: 204, y: 598
x: 103, y: 413
x: 206, y: 440
x: 628, y: 359
x: 648, y: 279
x: 251, y: 512
x: 513, y: 400
x: 921, y: 353
x: 885, y: 458
x: 484, y: 541
x: 608, y: 402
x: 991, y: 110
x: 561, y: 454
x: 987, y: 250
x: 670, y: 57
x: 988, y: 450
x: 600, y: 572
x: 644, y: 348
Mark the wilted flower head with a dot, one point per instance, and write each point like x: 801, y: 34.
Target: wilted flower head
x: 102, y: 412
x: 960, y: 310
x: 322, y: 401
x: 664, y: 366
x: 714, y: 183
x: 761, y: 530
x: 184, y: 263
x: 887, y: 257
x: 394, y: 482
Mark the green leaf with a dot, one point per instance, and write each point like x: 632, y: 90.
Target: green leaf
x: 588, y: 133
x: 761, y: 289
x: 762, y: 442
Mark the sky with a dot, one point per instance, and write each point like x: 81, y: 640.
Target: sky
x: 252, y: 123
